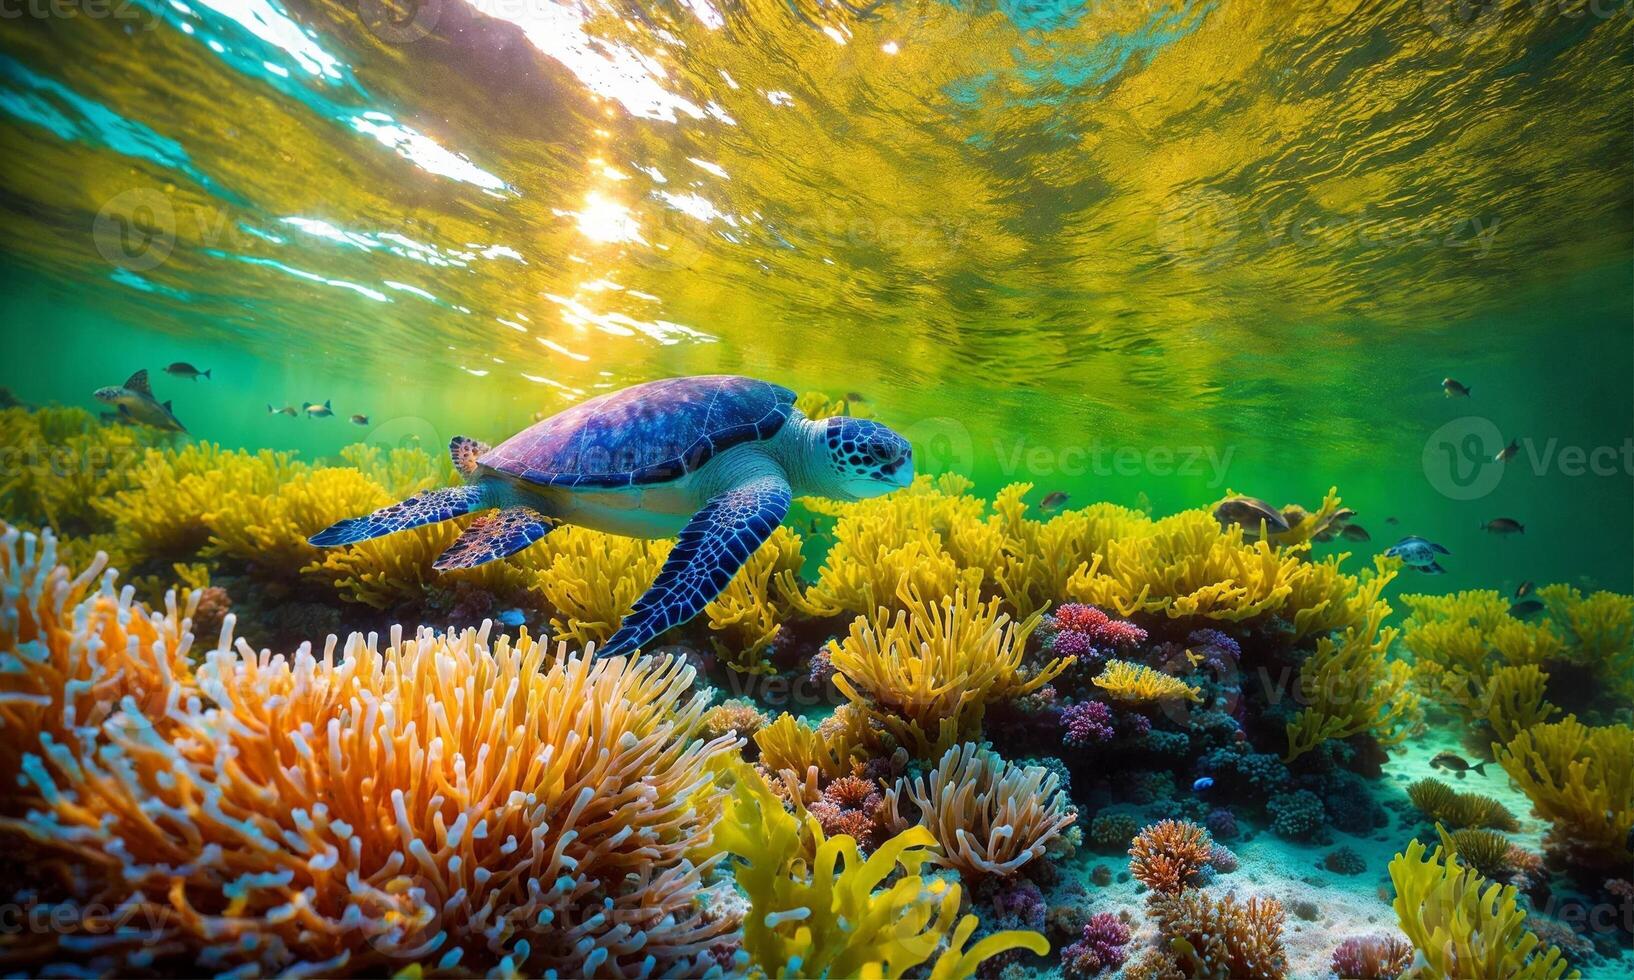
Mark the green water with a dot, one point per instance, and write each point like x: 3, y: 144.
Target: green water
x: 1142, y: 253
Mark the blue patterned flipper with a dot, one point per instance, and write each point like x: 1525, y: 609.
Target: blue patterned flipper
x: 422, y: 508
x: 711, y: 548
x: 494, y: 536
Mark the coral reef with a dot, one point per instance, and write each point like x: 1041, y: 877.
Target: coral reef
x: 1442, y: 804
x: 1463, y: 925
x: 989, y: 816
x: 1139, y: 684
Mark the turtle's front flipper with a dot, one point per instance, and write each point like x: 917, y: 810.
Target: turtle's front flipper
x: 712, y: 547
x: 494, y: 536
x: 422, y: 508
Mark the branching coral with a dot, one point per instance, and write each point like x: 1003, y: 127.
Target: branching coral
x: 927, y: 675
x: 852, y: 806
x: 1350, y: 685
x: 789, y: 745
x: 818, y: 909
x: 448, y: 801
x: 1442, y: 804
x: 1100, y: 948
x: 1487, y: 851
x: 1377, y: 957
x: 1135, y: 683
x: 751, y: 610
x: 1581, y: 779
x: 1464, y: 926
x: 989, y: 816
x: 56, y: 464
x: 1166, y: 855
x: 1220, y: 937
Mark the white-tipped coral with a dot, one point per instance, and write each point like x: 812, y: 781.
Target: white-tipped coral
x: 989, y: 816
x: 443, y: 801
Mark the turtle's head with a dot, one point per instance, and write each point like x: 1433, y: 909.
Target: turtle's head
x: 867, y: 459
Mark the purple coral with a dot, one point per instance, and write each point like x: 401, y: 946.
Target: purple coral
x: 822, y: 671
x: 1101, y: 948
x: 1222, y: 823
x: 1217, y: 646
x: 1087, y: 723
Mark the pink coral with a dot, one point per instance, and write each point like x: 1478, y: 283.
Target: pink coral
x: 1101, y: 948
x: 1087, y: 723
x: 1100, y: 629
x: 1372, y: 957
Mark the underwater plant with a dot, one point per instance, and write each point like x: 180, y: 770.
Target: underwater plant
x: 817, y: 908
x: 989, y: 817
x: 1463, y: 925
x: 1375, y: 957
x: 750, y: 612
x: 927, y: 675
x: 1581, y: 779
x: 790, y: 745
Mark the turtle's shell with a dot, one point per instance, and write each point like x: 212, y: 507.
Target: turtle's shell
x: 651, y: 433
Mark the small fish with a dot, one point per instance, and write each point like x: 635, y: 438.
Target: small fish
x: 134, y: 399
x: 855, y: 396
x: 1453, y: 762
x: 1249, y: 512
x: 1391, y: 520
x: 1503, y: 525
x: 1526, y: 608
x: 360, y: 420
x: 1053, y: 501
x: 1355, y: 532
x: 1524, y: 589
x: 1418, y: 553
x: 1508, y: 452
x: 1454, y: 389
x: 286, y: 410
x: 316, y: 411
x: 511, y: 617
x: 1202, y: 783
x: 182, y: 369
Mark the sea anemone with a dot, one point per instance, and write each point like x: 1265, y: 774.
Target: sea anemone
x: 991, y: 817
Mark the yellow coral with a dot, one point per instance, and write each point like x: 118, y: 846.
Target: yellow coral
x: 1581, y: 779
x: 57, y: 463
x: 1442, y: 803
x: 818, y: 909
x: 1165, y: 856
x: 591, y: 580
x: 790, y: 745
x: 1350, y: 685
x: 1220, y: 937
x: 818, y: 405
x: 928, y: 674
x: 482, y: 807
x: 1139, y: 684
x: 989, y: 817
x: 1464, y: 926
x: 751, y: 610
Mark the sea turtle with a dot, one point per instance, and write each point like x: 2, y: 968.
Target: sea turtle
x: 713, y: 460
x: 134, y: 402
x: 1418, y: 553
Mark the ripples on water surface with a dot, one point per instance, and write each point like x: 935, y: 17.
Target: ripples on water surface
x: 1268, y: 229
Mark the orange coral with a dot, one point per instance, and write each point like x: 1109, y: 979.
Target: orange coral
x: 1210, y: 937
x: 852, y: 806
x: 447, y: 802
x: 1168, y: 853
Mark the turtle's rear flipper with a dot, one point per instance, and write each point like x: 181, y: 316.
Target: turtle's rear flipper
x: 494, y: 536
x: 429, y: 507
x: 711, y: 548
